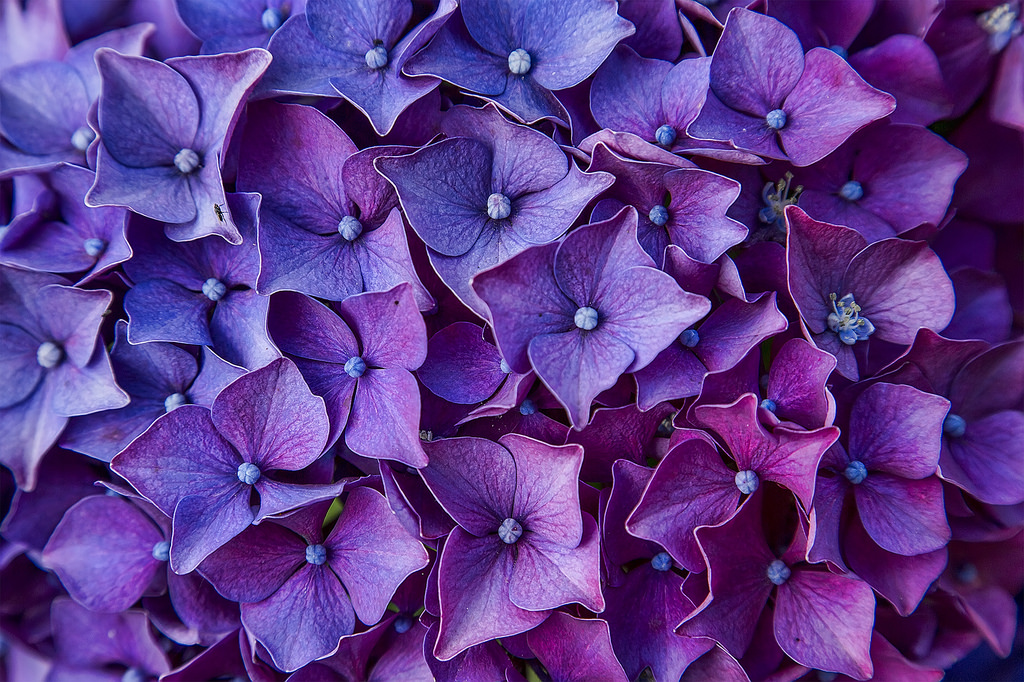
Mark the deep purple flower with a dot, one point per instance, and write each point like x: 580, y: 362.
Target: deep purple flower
x: 767, y: 97
x: 54, y: 363
x: 489, y: 191
x: 301, y: 591
x: 575, y: 648
x: 235, y: 26
x: 163, y: 128
x: 200, y: 467
x: 847, y: 290
x: 361, y: 363
x: 585, y: 311
x: 514, y: 54
x: 522, y: 546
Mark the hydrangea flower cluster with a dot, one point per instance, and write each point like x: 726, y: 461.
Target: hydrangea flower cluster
x: 510, y: 339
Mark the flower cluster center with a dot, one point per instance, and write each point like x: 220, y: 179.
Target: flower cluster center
x: 847, y: 322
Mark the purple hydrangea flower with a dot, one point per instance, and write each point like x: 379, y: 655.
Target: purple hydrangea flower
x: 235, y: 26
x: 163, y: 128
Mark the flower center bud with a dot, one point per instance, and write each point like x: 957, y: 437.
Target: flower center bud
x: 690, y: 338
x: 661, y: 561
x: 505, y: 368
x: 82, y: 138
x: 174, y: 401
x: 776, y: 119
x: 855, y: 472
x: 134, y: 675
x: 658, y: 215
x: 94, y: 246
x: 377, y: 57
x: 349, y: 227
x: 665, y: 135
x: 769, y: 405
x: 776, y: 198
x: 778, y: 572
x: 355, y: 366
x: 954, y: 426
x: 747, y: 481
x: 49, y: 355
x: 846, y: 321
x: 271, y: 19
x: 186, y: 161
x: 214, y: 289
x: 402, y: 624
x: 1002, y: 24
x: 248, y: 473
x: 519, y: 62
x: 499, y: 206
x: 967, y: 574
x: 510, y: 531
x: 316, y: 554
x: 852, y: 191
x: 162, y: 550
x: 585, y: 318
x: 527, y: 407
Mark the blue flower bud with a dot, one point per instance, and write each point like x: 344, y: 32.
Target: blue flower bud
x: 852, y: 191
x: 778, y: 572
x: 954, y: 426
x: 377, y: 57
x: 49, y: 355
x: 174, y: 401
x: 586, y: 318
x: 527, y: 408
x: 355, y: 367
x: 665, y: 135
x: 248, y: 473
x: 271, y: 19
x: 519, y: 62
x: 505, y: 367
x: 316, y: 554
x: 82, y: 138
x: 94, y: 246
x: 403, y: 624
x: 214, y: 289
x: 162, y: 550
x: 769, y: 405
x: 661, y: 561
x: 134, y: 675
x: 510, y: 531
x: 747, y: 481
x: 690, y: 338
x: 186, y: 161
x: 658, y: 215
x: 499, y: 206
x: 350, y: 228
x: 855, y: 472
x: 776, y: 119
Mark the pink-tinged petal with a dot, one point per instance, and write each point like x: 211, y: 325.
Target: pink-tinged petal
x: 991, y: 382
x: 897, y: 429
x: 902, y: 580
x: 102, y: 551
x: 254, y: 564
x: 618, y: 433
x: 162, y: 310
x: 371, y: 553
x: 797, y: 384
x: 577, y: 366
x: 756, y: 64
x: 642, y: 615
x: 620, y: 546
x: 304, y: 620
x: 487, y: 661
x: 524, y: 301
x: 788, y: 457
x: 830, y: 499
x: 735, y: 328
x: 181, y: 454
x: 697, y: 213
x: 716, y: 664
x: 824, y: 621
x: 272, y: 418
x: 902, y: 516
x: 474, y: 577
x: 547, y: 575
x: 547, y: 500
x: 817, y: 256
x: 389, y: 327
x: 890, y: 664
x: 576, y: 650
x: 830, y: 103
x: 202, y: 523
x: 460, y: 366
x: 474, y: 480
x: 902, y: 287
x: 148, y: 112
x: 906, y: 67
x: 690, y: 488
x: 986, y: 461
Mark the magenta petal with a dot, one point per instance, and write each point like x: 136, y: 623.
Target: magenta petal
x: 389, y: 326
x: 902, y: 516
x: 986, y: 461
x: 474, y: 480
x: 547, y: 498
x: 576, y: 649
x: 797, y: 384
x: 474, y: 577
x: 371, y: 553
x: 202, y: 523
x: 547, y: 575
x: 824, y: 621
x: 897, y: 429
x: 102, y: 550
x: 273, y: 419
x: 304, y: 620
x: 253, y: 565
